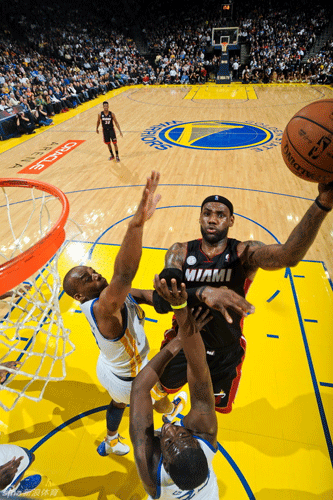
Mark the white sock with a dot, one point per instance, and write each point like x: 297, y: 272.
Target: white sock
x: 111, y: 438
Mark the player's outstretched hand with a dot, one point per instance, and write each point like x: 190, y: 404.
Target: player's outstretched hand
x: 326, y: 194
x: 174, y: 296
x: 4, y: 372
x: 8, y: 471
x: 148, y: 201
x: 223, y: 298
x: 201, y: 319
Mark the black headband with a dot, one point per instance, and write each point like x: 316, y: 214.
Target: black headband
x: 219, y: 199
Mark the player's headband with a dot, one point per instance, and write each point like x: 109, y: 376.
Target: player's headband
x: 219, y: 199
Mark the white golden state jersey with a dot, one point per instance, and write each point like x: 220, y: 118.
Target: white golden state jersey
x: 167, y: 490
x: 125, y: 353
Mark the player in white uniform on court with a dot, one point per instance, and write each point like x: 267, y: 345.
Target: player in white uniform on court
x: 178, y: 462
x: 14, y: 461
x: 117, y: 321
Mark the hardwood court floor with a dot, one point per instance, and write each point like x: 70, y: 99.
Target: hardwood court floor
x: 276, y: 444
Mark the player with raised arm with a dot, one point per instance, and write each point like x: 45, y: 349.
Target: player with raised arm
x: 176, y: 463
x: 117, y: 320
x: 213, y: 269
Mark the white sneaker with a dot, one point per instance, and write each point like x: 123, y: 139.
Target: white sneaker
x: 114, y: 446
x: 179, y: 404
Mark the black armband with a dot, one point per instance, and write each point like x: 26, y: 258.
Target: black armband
x: 172, y: 273
x: 161, y: 305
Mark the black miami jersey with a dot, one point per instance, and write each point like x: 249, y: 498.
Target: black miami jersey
x: 107, y: 120
x: 225, y: 269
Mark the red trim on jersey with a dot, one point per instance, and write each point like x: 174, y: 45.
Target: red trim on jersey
x: 247, y: 284
x: 203, y: 253
x: 235, y: 382
x: 171, y: 391
x: 246, y: 287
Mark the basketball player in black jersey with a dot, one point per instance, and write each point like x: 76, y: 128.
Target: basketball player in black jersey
x: 108, y: 120
x: 215, y: 266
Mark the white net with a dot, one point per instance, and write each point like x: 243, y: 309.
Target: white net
x: 33, y: 340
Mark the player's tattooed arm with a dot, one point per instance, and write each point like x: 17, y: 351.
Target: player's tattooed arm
x: 256, y: 254
x: 245, y: 250
x: 175, y: 256
x: 288, y: 254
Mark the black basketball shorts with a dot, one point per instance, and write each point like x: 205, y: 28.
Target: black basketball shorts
x: 109, y: 135
x: 225, y: 367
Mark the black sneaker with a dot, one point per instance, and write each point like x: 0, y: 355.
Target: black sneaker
x: 117, y: 159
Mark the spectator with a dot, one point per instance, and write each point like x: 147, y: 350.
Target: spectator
x: 145, y: 79
x: 24, y: 125
x: 12, y: 100
x: 42, y: 118
x: 3, y: 105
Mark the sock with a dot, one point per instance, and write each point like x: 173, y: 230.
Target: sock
x: 111, y: 438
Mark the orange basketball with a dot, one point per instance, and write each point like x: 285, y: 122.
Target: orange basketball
x: 307, y: 142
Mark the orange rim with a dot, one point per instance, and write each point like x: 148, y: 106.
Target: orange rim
x: 21, y: 267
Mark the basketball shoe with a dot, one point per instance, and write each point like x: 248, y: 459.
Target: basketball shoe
x: 113, y: 445
x: 28, y: 484
x: 179, y: 404
x: 111, y: 157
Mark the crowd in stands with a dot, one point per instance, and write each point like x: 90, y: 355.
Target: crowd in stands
x: 62, y: 61
x: 321, y: 65
x: 55, y: 67
x: 279, y: 41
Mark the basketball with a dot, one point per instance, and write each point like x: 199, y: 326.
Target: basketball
x: 307, y: 142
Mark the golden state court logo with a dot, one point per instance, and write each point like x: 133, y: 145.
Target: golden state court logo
x: 212, y: 135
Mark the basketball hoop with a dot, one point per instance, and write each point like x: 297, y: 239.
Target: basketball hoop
x: 32, y: 331
x: 224, y: 47
x: 17, y: 269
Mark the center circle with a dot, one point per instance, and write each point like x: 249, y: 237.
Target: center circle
x: 215, y: 135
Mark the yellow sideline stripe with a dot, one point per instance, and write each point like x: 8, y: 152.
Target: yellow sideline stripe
x: 62, y: 117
